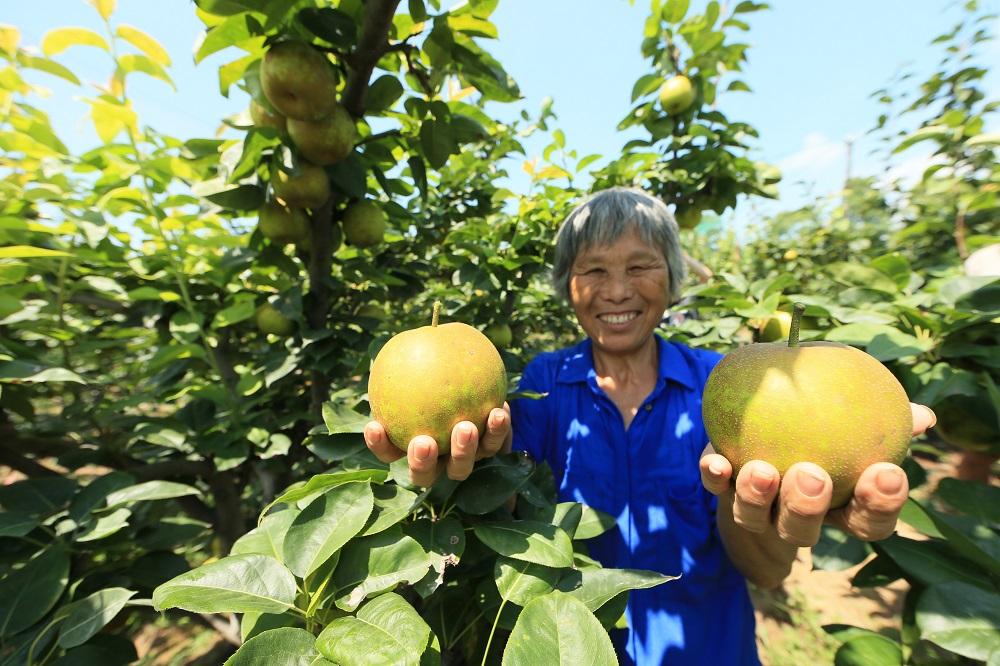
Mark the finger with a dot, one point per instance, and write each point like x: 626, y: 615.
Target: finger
x: 716, y: 473
x: 923, y: 418
x: 804, y: 500
x: 756, y: 487
x: 422, y: 456
x: 878, y: 498
x: 464, y: 442
x: 498, y: 432
x: 379, y: 444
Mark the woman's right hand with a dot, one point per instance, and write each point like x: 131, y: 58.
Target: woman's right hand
x: 466, y: 448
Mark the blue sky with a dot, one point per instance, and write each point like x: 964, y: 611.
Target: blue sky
x: 812, y: 67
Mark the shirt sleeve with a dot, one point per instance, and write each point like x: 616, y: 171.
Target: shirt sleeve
x: 530, y: 416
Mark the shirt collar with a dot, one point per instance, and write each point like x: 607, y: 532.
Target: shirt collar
x: 578, y: 364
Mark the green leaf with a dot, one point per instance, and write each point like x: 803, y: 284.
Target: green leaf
x: 972, y: 498
x: 987, y: 139
x: 104, y: 525
x: 596, y: 586
x: 528, y: 540
x: 376, y: 564
x: 383, y: 93
x: 862, y: 276
x: 131, y: 62
x: 268, y: 538
x: 15, y: 524
x: 145, y: 43
x: 89, y: 615
x: 393, y: 503
x: 241, y: 310
x: 674, y: 10
x: 339, y: 418
x: 523, y: 582
x: 232, y: 31
x: 321, y: 482
x: 28, y: 252
x: 241, y: 197
x: 960, y: 618
x: 437, y: 141
x: 234, y: 584
x: 333, y: 25
x: 325, y: 525
x: 958, y: 540
x: 387, y: 630
x: 58, y: 40
x: 28, y: 593
x: 444, y: 541
x: 493, y: 482
x: 837, y: 550
x: 150, y: 490
x: 48, y: 66
x: 929, y: 561
x: 646, y: 84
x: 252, y: 624
x: 22, y: 372
x: 895, y: 266
x: 285, y: 646
x: 558, y: 629
x: 868, y: 650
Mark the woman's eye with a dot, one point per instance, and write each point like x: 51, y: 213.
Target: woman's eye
x: 595, y: 272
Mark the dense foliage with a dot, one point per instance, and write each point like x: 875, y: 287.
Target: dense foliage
x: 174, y: 449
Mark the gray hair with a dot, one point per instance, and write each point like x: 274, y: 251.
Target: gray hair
x: 603, y: 217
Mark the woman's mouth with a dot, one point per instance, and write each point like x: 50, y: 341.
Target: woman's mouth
x: 618, y: 319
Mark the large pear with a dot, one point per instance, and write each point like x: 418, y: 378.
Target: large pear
x: 305, y: 187
x: 283, y: 225
x: 325, y: 141
x: 298, y: 81
x: 820, y: 402
x: 425, y: 380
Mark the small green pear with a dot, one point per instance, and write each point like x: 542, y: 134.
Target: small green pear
x: 298, y: 81
x: 364, y: 223
x: 270, y: 320
x: 676, y: 94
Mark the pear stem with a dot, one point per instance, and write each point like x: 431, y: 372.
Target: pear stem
x: 436, y: 313
x: 793, y: 331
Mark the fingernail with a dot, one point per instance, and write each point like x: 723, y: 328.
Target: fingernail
x: 496, y: 420
x: 809, y: 484
x: 889, y: 481
x: 421, y: 452
x: 465, y: 433
x: 715, y: 469
x: 762, y: 480
x: 933, y: 416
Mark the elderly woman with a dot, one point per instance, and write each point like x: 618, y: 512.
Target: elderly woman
x: 620, y: 425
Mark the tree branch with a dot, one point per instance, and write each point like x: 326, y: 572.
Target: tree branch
x: 372, y: 45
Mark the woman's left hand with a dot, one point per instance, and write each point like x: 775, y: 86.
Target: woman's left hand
x: 803, y: 495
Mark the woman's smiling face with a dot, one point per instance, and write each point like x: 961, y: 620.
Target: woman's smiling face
x: 619, y: 292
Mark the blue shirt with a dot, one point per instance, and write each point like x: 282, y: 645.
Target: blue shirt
x: 647, y: 478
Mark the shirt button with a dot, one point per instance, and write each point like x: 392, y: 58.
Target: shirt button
x: 649, y: 407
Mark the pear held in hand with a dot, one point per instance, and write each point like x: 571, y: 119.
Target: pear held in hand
x: 425, y: 380
x: 819, y: 402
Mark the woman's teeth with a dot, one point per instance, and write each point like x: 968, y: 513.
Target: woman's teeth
x: 619, y: 318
